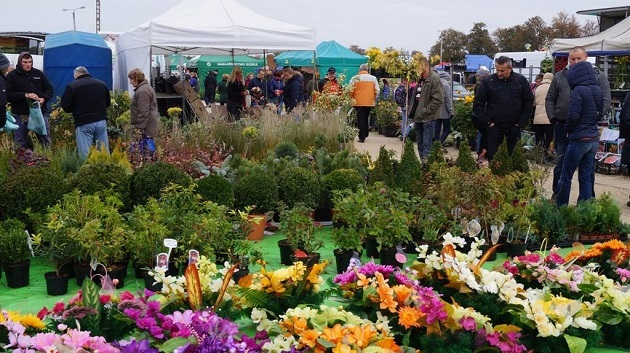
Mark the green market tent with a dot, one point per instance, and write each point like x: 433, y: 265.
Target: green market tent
x: 327, y: 54
x: 222, y: 63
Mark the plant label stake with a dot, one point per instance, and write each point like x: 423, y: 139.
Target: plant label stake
x: 94, y: 263
x: 162, y: 261
x: 193, y: 256
x: 170, y: 244
x: 29, y: 241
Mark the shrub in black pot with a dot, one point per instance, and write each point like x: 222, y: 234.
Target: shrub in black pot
x: 149, y: 180
x: 258, y: 189
x: 33, y: 187
x: 96, y: 177
x: 14, y: 253
x: 299, y: 186
x: 217, y: 189
x: 339, y: 180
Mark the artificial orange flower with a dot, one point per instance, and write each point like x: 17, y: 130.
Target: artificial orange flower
x: 611, y: 244
x: 362, y: 280
x: 409, y: 317
x: 309, y: 338
x: 334, y: 334
x: 361, y: 336
x: 401, y: 293
x: 343, y: 348
x: 388, y: 344
x: 295, y: 325
x: 619, y: 256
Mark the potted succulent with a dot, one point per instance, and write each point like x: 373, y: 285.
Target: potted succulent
x: 299, y: 229
x: 14, y: 253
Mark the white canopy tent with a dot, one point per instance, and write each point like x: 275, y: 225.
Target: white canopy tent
x: 613, y: 41
x: 206, y: 27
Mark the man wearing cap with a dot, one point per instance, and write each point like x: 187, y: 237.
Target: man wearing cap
x: 4, y: 68
x: 364, y: 91
x: 87, y: 98
x: 329, y: 83
x: 26, y: 84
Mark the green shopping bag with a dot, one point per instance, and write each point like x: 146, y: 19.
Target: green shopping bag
x: 36, y: 119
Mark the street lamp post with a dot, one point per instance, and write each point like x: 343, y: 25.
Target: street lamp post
x: 74, y: 18
x: 441, y: 51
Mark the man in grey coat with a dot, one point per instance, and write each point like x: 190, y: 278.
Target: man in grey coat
x: 443, y: 123
x: 557, y: 105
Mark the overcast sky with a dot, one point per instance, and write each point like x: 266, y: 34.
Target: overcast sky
x: 408, y: 24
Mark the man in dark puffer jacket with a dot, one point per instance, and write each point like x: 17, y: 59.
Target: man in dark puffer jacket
x: 585, y: 107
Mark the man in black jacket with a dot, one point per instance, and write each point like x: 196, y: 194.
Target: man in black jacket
x: 25, y: 85
x: 504, y: 102
x: 4, y: 68
x: 210, y: 87
x: 87, y: 99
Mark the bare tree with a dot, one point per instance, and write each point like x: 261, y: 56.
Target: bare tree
x: 355, y: 48
x: 590, y: 28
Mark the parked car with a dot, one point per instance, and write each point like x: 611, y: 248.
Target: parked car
x: 459, y: 91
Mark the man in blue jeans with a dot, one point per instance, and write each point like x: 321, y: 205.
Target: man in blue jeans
x: 87, y: 98
x: 557, y: 103
x: 585, y: 108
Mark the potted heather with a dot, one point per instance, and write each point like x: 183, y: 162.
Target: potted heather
x: 14, y: 253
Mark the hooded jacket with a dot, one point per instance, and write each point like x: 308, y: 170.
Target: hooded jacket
x: 87, y: 99
x: 557, y: 100
x: 587, y: 101
x: 20, y: 82
x: 364, y: 89
x: 293, y: 91
x: 540, y: 95
x: 144, y: 110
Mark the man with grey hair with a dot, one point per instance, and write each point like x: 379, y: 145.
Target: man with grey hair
x: 87, y: 98
x: 503, y: 102
x: 364, y: 91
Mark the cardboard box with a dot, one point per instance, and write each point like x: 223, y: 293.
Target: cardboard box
x: 183, y: 88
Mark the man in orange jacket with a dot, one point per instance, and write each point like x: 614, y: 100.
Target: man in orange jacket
x: 364, y: 91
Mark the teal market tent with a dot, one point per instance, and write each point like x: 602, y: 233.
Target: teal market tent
x: 64, y: 51
x: 327, y: 54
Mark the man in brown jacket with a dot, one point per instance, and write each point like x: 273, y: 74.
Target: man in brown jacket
x: 426, y: 104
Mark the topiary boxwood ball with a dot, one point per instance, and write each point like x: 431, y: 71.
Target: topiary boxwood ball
x: 149, y: 180
x: 217, y: 189
x: 96, y: 177
x: 258, y: 189
x: 300, y: 185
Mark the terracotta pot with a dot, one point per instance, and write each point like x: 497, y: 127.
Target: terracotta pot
x: 258, y: 230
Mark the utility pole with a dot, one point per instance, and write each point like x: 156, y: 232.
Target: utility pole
x: 98, y: 16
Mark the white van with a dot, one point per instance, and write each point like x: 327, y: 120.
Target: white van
x: 38, y: 60
x: 529, y: 63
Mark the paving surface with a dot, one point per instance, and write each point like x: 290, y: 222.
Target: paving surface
x: 617, y: 185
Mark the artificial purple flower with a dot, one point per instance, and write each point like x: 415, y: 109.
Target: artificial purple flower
x: 468, y: 323
x: 133, y: 346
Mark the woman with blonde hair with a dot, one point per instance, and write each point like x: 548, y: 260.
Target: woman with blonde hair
x: 236, y: 93
x: 144, y: 113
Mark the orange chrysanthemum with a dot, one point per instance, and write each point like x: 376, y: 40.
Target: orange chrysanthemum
x: 409, y: 317
x: 611, y: 244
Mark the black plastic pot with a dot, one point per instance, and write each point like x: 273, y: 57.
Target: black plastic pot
x: 80, y: 273
x: 240, y: 274
x: 17, y: 274
x: 485, y: 248
x: 309, y: 260
x: 149, y: 282
x: 371, y: 247
x: 342, y: 259
x: 516, y: 249
x: 388, y: 257
x: 285, y: 252
x: 56, y: 284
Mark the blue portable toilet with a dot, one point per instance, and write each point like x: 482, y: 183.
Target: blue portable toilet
x: 64, y: 51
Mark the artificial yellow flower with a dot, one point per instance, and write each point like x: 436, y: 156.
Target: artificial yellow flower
x: 297, y: 271
x: 30, y: 320
x: 409, y: 317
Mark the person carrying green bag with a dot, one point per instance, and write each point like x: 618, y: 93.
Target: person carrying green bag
x: 26, y: 85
